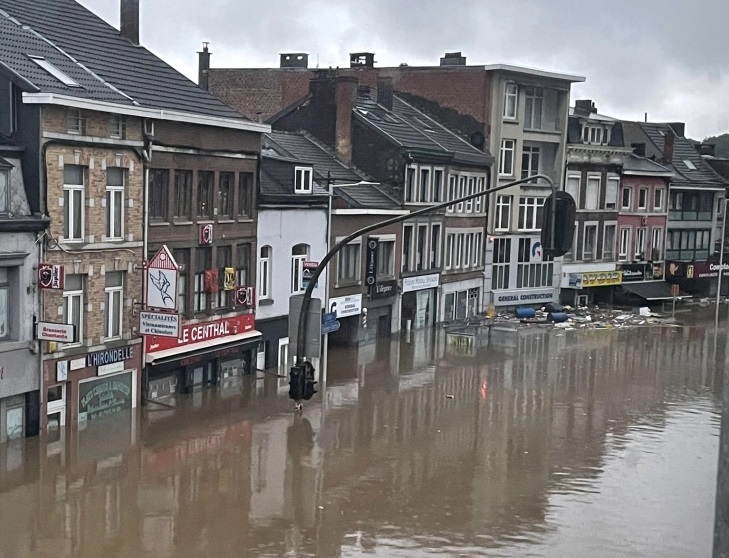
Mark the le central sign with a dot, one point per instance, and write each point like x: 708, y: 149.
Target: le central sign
x: 203, y: 331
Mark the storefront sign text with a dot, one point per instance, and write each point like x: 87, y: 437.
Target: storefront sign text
x: 203, y: 331
x: 344, y: 306
x: 108, y: 396
x: 383, y: 289
x: 61, y: 333
x: 524, y: 297
x: 602, y: 278
x: 420, y: 283
x: 109, y: 357
x: 159, y: 323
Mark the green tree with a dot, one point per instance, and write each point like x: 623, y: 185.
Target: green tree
x: 722, y: 144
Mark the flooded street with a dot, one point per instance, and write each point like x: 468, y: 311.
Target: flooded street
x: 532, y: 443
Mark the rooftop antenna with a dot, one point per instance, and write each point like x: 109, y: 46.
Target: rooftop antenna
x: 317, y: 60
x: 646, y: 117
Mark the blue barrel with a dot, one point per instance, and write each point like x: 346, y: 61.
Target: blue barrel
x: 523, y: 313
x: 557, y: 317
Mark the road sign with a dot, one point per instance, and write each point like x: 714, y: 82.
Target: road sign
x: 329, y: 323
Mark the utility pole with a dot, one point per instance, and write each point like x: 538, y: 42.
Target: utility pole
x: 302, y: 371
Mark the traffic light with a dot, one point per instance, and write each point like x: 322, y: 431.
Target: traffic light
x: 297, y: 376
x: 309, y: 381
x: 565, y: 212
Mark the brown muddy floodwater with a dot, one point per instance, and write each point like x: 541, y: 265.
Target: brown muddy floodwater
x: 538, y: 443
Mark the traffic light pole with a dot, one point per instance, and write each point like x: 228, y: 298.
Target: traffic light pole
x: 304, y: 312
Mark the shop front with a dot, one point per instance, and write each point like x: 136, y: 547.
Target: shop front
x: 589, y: 284
x: 642, y: 283
x: 419, y: 301
x: 461, y: 300
x: 92, y: 386
x: 214, y: 352
x: 698, y: 278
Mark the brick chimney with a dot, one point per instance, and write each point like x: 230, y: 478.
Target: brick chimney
x: 294, y: 60
x: 668, y: 139
x: 129, y: 20
x: 385, y: 91
x: 585, y: 107
x: 345, y: 98
x: 203, y: 67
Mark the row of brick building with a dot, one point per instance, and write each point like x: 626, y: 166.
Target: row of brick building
x: 154, y: 230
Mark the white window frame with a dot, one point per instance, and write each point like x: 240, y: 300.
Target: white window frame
x: 501, y: 203
x: 303, y: 176
x: 530, y: 204
x: 113, y: 192
x: 511, y: 91
x: 117, y: 126
x: 435, y: 245
x: 407, y: 263
x: 427, y: 174
x: 297, y: 269
x: 507, y: 146
x: 624, y: 241
x: 438, y: 192
x: 593, y: 135
x: 461, y: 191
x: 658, y: 193
x: 114, y: 296
x: 68, y: 298
x: 529, y: 152
x: 467, y: 250
x: 425, y: 253
x: 410, y: 194
x: 613, y: 183
x: 478, y: 203
x: 381, y: 241
x: 264, y: 273
x: 640, y: 243
x: 609, y: 255
x: 470, y: 189
x: 477, y: 249
x: 592, y: 179
x: 452, y: 192
x: 657, y: 245
x: 592, y: 225
x: 628, y: 207
x: 358, y: 271
x: 69, y: 206
x: 536, y: 96
x: 75, y: 122
x: 644, y: 204
x: 567, y: 188
x: 450, y: 247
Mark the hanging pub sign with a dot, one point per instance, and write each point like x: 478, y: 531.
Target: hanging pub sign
x: 228, y: 278
x: 206, y: 234
x: 161, y: 276
x: 51, y: 276
x: 245, y: 296
x: 371, y: 269
x: 211, y: 281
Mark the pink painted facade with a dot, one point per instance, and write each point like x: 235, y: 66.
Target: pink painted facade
x: 642, y: 218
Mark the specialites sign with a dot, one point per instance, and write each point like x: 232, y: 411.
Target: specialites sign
x: 159, y: 323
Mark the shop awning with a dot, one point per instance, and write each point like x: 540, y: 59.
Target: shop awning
x: 204, y: 347
x: 654, y: 290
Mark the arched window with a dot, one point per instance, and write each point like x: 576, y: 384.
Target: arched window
x: 299, y: 254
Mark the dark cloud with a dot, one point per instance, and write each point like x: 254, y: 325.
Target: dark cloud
x: 664, y: 57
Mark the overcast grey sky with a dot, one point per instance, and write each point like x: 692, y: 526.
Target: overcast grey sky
x: 664, y: 57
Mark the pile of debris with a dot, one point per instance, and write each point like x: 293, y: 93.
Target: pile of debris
x: 583, y: 317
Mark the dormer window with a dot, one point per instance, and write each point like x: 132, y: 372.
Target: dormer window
x: 303, y: 180
x: 75, y: 122
x: 594, y: 135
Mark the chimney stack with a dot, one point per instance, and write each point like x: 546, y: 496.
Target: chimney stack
x: 668, y: 140
x: 129, y: 20
x: 345, y: 99
x: 294, y: 60
x: 203, y: 67
x: 361, y: 60
x: 679, y: 128
x: 453, y: 59
x: 385, y: 91
x: 585, y: 107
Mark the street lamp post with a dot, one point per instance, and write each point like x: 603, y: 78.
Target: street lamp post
x: 304, y: 311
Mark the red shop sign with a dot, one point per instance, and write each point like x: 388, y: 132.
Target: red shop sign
x: 201, y: 332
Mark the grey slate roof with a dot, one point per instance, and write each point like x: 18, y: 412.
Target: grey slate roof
x: 635, y: 163
x: 407, y: 127
x: 367, y: 195
x: 304, y: 148
x: 653, y: 135
x: 107, y: 66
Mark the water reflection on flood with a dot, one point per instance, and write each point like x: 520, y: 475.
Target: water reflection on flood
x: 557, y: 444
